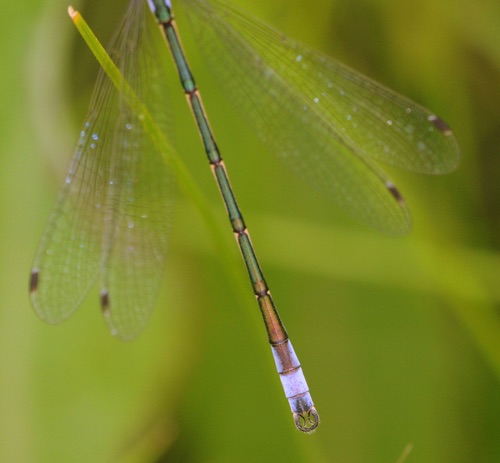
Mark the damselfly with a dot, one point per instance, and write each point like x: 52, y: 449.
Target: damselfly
x: 330, y: 124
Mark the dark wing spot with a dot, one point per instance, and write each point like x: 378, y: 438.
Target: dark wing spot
x: 441, y: 125
x: 395, y: 192
x: 105, y: 302
x: 34, y: 280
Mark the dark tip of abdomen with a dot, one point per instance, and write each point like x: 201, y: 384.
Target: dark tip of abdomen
x: 441, y: 125
x: 34, y: 280
x: 395, y: 192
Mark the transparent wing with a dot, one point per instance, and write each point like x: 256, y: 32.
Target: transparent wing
x: 113, y: 214
x: 326, y: 121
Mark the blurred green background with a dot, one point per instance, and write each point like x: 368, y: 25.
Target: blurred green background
x: 399, y: 338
